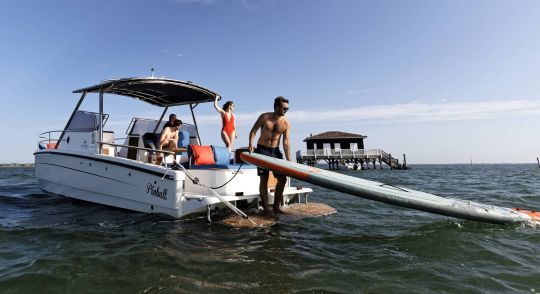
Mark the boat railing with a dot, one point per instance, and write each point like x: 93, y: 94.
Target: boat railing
x: 150, y: 150
x: 49, y: 139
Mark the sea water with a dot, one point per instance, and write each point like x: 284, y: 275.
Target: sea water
x: 55, y: 244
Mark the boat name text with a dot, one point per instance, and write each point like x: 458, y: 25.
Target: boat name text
x: 156, y: 191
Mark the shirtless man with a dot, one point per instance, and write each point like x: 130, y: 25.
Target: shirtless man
x: 169, y: 139
x: 272, y: 125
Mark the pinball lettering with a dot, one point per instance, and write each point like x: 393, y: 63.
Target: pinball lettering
x: 156, y: 191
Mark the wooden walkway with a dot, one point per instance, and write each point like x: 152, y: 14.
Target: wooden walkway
x: 361, y: 158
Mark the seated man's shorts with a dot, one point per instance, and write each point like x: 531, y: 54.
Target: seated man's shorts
x: 268, y: 151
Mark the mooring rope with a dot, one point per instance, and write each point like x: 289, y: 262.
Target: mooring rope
x: 196, y: 181
x: 238, y: 170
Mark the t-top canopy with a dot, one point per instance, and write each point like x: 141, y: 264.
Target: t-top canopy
x: 156, y: 91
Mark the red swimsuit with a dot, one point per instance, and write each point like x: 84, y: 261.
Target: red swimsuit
x: 228, y: 124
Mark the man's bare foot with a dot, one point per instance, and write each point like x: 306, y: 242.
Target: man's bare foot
x: 277, y: 210
x: 267, y: 212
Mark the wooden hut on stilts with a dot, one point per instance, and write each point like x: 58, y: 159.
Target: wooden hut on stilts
x: 347, y: 149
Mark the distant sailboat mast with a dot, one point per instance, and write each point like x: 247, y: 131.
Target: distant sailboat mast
x: 470, y: 159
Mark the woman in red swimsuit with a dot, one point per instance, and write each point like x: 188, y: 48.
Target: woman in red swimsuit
x: 228, y: 131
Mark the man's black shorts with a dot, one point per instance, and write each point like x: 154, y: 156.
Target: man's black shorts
x: 268, y: 151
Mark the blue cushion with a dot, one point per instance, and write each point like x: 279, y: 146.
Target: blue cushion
x: 222, y: 155
x: 183, y: 139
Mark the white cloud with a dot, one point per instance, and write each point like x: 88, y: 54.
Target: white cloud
x: 363, y: 91
x: 256, y: 4
x: 407, y: 112
x: 166, y: 52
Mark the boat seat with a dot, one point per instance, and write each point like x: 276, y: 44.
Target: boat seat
x: 132, y: 152
x: 150, y: 140
x: 183, y: 139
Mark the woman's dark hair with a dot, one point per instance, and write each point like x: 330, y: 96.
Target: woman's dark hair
x: 227, y: 105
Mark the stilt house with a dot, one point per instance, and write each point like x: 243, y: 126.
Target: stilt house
x: 341, y: 148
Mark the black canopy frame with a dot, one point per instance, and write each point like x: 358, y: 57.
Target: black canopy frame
x: 156, y: 91
x: 159, y: 92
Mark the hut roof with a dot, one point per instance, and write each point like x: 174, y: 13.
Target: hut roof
x: 335, y: 135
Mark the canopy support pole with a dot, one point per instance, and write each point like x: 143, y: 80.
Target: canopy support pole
x: 160, y: 118
x: 195, y: 121
x: 70, y: 119
x: 100, y: 137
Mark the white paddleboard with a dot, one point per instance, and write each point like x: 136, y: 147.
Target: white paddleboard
x: 392, y: 194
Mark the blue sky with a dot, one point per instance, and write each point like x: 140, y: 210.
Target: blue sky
x: 441, y: 81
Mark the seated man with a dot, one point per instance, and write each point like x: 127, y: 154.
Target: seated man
x: 169, y: 140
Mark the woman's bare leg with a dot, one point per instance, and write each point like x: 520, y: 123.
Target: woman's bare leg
x: 231, y: 139
x: 226, y: 140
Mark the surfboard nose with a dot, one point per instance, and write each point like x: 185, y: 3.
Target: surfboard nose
x: 535, y: 215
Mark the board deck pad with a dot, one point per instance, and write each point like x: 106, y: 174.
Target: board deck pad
x: 291, y: 212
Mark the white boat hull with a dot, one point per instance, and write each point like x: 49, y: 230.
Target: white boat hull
x: 106, y: 180
x: 143, y: 187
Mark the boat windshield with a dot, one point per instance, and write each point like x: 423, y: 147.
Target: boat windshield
x: 85, y: 121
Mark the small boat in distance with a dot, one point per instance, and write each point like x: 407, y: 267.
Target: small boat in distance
x: 85, y: 160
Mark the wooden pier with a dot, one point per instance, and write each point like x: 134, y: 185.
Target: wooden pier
x: 350, y: 158
x: 336, y: 147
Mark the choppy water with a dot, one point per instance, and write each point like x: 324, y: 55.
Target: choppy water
x: 54, y: 244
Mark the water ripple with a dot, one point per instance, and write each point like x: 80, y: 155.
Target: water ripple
x: 56, y: 244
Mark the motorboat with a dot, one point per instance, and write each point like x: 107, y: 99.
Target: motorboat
x: 89, y: 162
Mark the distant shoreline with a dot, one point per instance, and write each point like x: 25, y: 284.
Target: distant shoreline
x: 16, y: 165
